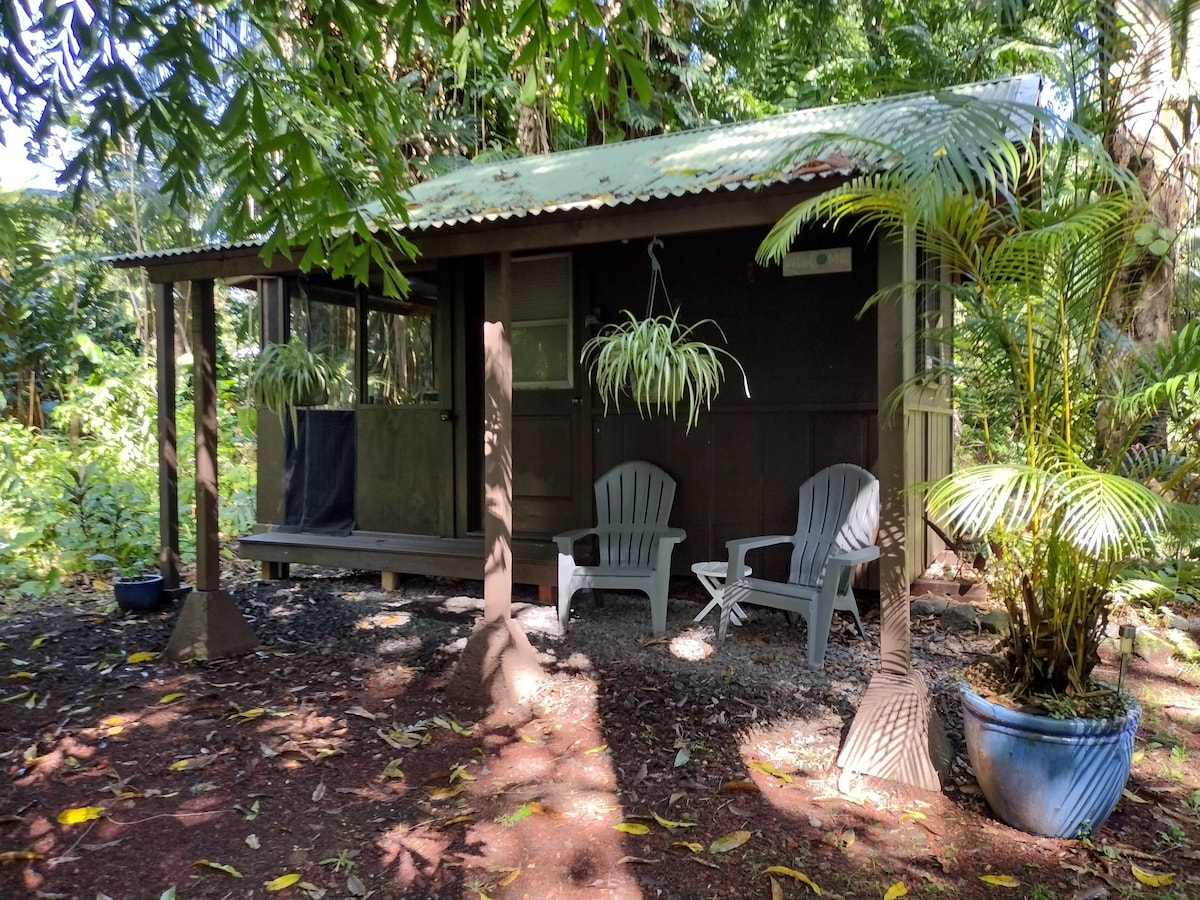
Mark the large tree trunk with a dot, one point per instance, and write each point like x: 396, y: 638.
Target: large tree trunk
x: 1147, y: 100
x: 532, y: 136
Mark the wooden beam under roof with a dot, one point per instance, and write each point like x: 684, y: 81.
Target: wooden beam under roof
x: 638, y: 221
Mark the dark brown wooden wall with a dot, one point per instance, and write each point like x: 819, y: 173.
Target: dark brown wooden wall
x: 810, y: 361
x: 811, y: 367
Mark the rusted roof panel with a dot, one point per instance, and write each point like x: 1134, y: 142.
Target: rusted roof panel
x: 733, y: 156
x: 719, y: 157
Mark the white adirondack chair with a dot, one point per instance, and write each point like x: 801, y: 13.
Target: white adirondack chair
x: 633, y: 503
x: 835, y: 532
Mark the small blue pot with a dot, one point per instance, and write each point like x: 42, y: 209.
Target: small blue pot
x: 138, y: 593
x: 1054, y: 777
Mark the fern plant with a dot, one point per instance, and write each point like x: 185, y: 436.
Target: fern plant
x: 289, y: 375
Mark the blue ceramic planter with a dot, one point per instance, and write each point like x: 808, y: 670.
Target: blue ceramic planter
x: 138, y: 593
x: 1054, y: 777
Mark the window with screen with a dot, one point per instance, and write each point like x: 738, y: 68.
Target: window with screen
x: 327, y: 329
x: 400, y: 355
x: 541, y: 322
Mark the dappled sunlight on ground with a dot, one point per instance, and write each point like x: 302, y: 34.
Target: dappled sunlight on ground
x: 526, y: 806
x: 330, y: 754
x: 691, y: 645
x: 555, y: 780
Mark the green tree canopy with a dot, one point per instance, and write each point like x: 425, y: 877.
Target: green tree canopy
x: 281, y: 121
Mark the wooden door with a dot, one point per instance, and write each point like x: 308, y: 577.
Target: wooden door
x: 405, y: 432
x: 551, y: 477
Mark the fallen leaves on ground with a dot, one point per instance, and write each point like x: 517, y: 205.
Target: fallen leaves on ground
x: 220, y: 867
x: 728, y: 842
x: 1008, y: 881
x: 1150, y: 879
x: 797, y: 876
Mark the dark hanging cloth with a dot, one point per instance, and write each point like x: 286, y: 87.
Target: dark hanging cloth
x: 318, y: 483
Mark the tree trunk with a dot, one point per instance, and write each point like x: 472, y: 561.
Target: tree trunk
x: 532, y: 136
x: 1146, y: 134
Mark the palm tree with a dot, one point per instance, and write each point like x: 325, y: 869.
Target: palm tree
x: 1035, y: 276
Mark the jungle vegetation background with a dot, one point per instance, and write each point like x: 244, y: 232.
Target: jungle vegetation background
x: 181, y: 123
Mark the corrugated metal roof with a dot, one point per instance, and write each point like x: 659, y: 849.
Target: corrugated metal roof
x: 175, y: 252
x: 704, y: 160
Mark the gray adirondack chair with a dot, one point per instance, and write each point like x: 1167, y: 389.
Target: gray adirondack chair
x: 835, y: 532
x: 633, y: 503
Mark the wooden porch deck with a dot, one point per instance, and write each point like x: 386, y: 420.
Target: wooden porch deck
x: 534, y: 561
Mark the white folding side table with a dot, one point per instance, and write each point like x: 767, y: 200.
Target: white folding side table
x: 713, y: 576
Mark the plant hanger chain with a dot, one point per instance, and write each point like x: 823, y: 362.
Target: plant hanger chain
x: 656, y: 280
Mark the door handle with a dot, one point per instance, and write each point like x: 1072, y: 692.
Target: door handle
x: 446, y: 415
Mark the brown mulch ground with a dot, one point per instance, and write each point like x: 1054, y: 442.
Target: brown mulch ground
x: 327, y: 762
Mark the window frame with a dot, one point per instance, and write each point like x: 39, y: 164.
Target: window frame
x: 568, y: 320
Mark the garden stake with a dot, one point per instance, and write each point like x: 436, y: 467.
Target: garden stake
x: 1127, y: 635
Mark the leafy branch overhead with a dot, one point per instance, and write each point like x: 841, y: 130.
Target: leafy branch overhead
x: 281, y: 123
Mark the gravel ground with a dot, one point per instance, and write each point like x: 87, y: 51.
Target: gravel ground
x: 333, y: 609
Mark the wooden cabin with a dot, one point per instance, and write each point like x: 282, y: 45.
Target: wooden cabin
x: 388, y: 475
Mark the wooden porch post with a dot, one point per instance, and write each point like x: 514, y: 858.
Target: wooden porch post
x: 272, y: 440
x: 204, y: 390
x: 168, y: 446
x: 497, y: 440
x: 895, y: 733
x: 498, y: 667
x: 897, y: 263
x: 210, y: 624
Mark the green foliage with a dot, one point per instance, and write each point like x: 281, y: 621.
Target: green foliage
x: 285, y: 122
x: 82, y: 495
x: 289, y: 375
x: 52, y: 287
x: 266, y: 119
x: 1033, y: 278
x: 26, y: 517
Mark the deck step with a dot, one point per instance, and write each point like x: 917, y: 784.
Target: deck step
x: 534, y: 561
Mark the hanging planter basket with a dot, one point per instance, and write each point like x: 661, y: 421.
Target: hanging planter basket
x: 287, y: 376
x: 656, y: 361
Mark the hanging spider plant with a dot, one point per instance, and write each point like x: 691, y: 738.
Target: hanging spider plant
x: 656, y: 360
x: 289, y: 375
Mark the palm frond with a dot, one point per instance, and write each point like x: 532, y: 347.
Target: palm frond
x: 1172, y: 375
x: 1107, y: 515
x: 978, y: 500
